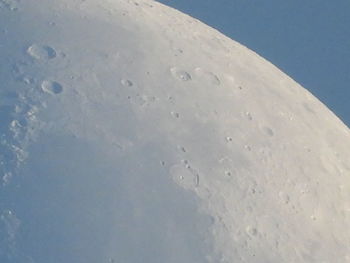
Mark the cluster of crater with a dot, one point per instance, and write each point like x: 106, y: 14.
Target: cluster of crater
x: 18, y: 111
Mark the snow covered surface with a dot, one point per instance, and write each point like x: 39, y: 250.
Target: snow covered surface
x: 131, y: 132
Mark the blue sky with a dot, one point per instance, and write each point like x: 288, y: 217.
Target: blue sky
x: 309, y: 40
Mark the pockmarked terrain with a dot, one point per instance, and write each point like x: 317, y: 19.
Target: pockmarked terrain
x: 131, y: 132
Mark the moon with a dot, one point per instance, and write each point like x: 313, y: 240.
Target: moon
x: 131, y: 132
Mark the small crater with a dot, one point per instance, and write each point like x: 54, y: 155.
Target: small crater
x: 6, y: 178
x: 184, y: 177
x: 171, y: 99
x: 308, y: 108
x: 51, y: 87
x: 126, y: 83
x: 180, y: 74
x: 207, y: 76
x: 182, y: 149
x: 28, y: 80
x: 284, y: 197
x: 268, y: 131
x: 249, y: 116
x: 228, y: 173
x: 11, y: 223
x: 146, y: 5
x: 248, y: 148
x: 229, y: 139
x: 252, y: 231
x: 9, y: 4
x: 16, y: 128
x: 253, y: 191
x: 175, y: 114
x: 41, y: 52
x: 145, y: 100
x: 179, y: 50
x: 185, y: 162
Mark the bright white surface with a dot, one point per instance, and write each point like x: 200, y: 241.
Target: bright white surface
x: 133, y: 133
x: 308, y: 40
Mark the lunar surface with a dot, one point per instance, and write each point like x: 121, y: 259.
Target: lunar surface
x: 130, y: 132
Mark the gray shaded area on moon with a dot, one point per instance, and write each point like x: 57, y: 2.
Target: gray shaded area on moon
x: 134, y: 133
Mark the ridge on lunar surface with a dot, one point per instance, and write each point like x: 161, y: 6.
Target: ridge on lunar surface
x: 131, y: 132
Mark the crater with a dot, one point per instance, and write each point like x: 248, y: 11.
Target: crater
x: 207, y: 76
x: 175, y: 114
x: 252, y: 231
x: 126, y: 83
x: 180, y: 74
x: 51, y: 87
x: 249, y: 116
x: 268, y: 131
x: 184, y: 176
x: 41, y: 52
x: 308, y: 108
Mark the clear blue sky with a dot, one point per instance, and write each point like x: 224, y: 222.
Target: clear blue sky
x: 307, y: 39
